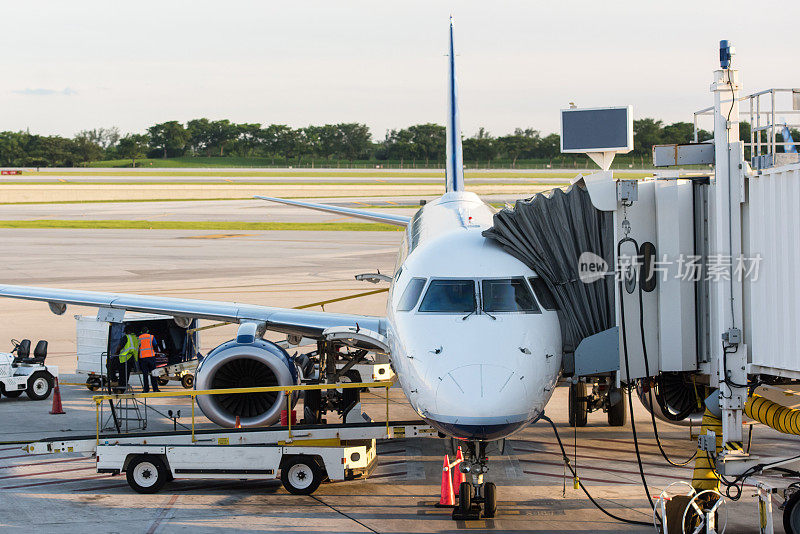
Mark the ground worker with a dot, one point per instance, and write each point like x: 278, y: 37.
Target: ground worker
x: 147, y: 359
x: 128, y: 356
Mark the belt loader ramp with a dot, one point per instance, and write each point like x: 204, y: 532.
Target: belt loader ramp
x: 303, y: 456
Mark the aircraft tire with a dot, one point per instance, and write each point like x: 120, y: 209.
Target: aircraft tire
x: 489, y: 499
x: 618, y: 413
x: 578, y: 410
x: 465, y: 494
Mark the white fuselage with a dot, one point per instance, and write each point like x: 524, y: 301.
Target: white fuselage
x: 482, y: 372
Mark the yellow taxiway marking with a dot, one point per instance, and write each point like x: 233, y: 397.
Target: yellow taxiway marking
x: 62, y: 180
x: 392, y: 203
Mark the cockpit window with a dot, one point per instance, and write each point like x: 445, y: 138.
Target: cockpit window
x: 543, y: 294
x: 508, y: 295
x: 411, y: 294
x: 449, y: 296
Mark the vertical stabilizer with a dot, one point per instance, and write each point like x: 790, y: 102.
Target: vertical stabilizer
x: 454, y: 173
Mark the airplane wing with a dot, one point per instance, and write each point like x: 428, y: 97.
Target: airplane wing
x: 397, y: 220
x: 305, y: 323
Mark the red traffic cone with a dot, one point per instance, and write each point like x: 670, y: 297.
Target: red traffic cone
x: 57, y: 409
x: 447, y: 498
x: 238, y: 423
x: 458, y: 475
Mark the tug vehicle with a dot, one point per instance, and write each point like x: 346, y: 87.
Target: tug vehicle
x: 19, y: 372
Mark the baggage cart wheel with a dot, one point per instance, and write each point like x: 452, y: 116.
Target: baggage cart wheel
x: 301, y: 475
x: 93, y: 383
x: 489, y: 499
x: 187, y: 381
x: 162, y: 381
x: 40, y: 384
x: 147, y: 474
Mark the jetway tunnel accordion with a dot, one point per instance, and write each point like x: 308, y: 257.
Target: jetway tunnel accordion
x: 245, y: 365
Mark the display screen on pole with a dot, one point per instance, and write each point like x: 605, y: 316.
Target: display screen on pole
x: 597, y: 130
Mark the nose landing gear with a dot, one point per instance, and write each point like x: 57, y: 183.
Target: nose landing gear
x: 474, y: 492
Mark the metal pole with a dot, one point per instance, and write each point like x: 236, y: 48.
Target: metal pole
x: 193, y: 398
x: 387, y: 410
x: 772, y: 125
x: 289, y: 413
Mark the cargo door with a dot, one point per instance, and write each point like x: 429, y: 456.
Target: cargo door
x: 92, y: 344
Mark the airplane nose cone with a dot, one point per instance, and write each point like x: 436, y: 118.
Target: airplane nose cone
x: 481, y: 390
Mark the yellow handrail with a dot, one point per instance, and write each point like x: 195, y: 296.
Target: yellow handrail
x: 98, y: 399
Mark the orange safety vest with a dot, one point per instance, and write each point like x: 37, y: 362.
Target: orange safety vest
x: 146, y: 342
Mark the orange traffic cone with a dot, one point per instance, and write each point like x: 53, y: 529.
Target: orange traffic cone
x: 57, y: 409
x: 238, y: 423
x: 458, y: 475
x: 447, y: 498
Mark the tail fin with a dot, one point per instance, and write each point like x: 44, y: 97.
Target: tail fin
x: 454, y: 173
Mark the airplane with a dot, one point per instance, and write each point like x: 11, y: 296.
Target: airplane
x: 476, y: 353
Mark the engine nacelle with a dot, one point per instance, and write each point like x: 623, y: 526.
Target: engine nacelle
x: 242, y: 365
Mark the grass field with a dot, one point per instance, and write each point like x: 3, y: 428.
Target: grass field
x: 321, y: 174
x: 197, y: 225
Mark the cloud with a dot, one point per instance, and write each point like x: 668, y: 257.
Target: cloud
x: 45, y: 92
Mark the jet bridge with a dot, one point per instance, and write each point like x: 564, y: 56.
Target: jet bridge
x: 685, y: 282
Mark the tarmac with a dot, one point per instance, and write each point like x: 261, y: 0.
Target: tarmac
x: 64, y: 494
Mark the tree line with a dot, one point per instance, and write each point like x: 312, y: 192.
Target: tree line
x: 420, y: 144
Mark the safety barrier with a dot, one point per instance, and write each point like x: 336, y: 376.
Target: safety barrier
x: 287, y: 391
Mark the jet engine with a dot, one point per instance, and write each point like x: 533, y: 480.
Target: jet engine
x: 233, y: 364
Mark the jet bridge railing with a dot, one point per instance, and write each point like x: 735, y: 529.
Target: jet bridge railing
x: 286, y: 390
x: 769, y: 112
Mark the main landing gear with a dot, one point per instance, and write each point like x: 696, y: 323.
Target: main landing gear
x: 476, y: 498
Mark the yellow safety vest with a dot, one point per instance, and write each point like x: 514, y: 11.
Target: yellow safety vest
x: 131, y: 349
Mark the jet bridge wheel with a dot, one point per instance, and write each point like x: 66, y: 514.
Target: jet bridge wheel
x: 617, y: 413
x: 578, y: 406
x: 147, y: 473
x: 301, y: 475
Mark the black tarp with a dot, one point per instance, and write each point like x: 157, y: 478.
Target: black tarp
x: 548, y: 233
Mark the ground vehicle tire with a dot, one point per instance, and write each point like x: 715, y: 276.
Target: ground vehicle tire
x: 93, y: 383
x: 301, y: 475
x: 10, y: 394
x: 162, y: 381
x: 187, y: 381
x: 489, y: 499
x: 147, y: 473
x: 465, y: 494
x: 40, y: 384
x: 791, y: 514
x: 618, y: 413
x: 578, y: 409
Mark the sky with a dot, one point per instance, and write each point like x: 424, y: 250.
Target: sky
x: 69, y: 66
